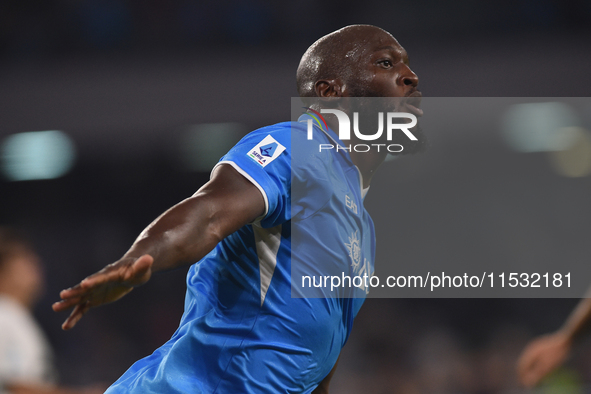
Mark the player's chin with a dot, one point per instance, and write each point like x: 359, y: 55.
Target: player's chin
x: 410, y: 147
x: 413, y: 148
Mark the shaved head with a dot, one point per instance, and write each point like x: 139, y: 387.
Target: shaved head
x: 336, y: 56
x: 363, y: 62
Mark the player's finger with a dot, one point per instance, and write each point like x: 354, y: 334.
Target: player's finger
x: 532, y: 378
x: 537, y: 371
x: 65, y: 304
x: 75, y: 291
x: 138, y: 270
x: 75, y: 316
x: 107, y: 274
x: 527, y: 365
x: 525, y: 362
x: 144, y: 263
x: 528, y: 379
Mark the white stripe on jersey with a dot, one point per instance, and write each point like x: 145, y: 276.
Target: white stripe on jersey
x: 267, y: 242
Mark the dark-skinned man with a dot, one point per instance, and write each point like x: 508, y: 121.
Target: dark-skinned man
x: 242, y: 332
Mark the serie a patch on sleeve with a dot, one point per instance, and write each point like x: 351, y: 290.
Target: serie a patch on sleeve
x: 266, y: 151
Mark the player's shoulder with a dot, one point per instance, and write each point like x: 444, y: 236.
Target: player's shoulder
x: 287, y: 133
x: 291, y: 141
x: 280, y: 132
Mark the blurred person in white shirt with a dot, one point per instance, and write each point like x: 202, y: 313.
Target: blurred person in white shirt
x: 26, y: 358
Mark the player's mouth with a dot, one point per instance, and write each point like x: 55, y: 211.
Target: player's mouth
x: 413, y: 103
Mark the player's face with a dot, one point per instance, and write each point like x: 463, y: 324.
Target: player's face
x: 383, y: 70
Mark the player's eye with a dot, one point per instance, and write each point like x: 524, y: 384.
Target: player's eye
x: 387, y: 63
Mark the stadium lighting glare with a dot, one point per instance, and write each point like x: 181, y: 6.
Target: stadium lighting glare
x: 37, y: 155
x: 540, y: 127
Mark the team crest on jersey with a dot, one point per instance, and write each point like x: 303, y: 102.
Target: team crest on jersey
x: 359, y: 268
x: 354, y: 248
x: 266, y: 151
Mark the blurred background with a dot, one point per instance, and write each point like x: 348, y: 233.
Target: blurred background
x: 113, y: 110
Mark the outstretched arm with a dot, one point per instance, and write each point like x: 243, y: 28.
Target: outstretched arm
x: 544, y: 354
x: 182, y: 235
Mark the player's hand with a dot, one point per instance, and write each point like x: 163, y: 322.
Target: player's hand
x: 108, y: 285
x: 542, y: 356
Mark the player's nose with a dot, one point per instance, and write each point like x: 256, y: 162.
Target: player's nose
x: 408, y: 77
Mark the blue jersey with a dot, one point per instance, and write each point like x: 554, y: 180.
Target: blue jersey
x: 245, y: 329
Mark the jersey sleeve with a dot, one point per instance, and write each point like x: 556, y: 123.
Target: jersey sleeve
x: 264, y: 158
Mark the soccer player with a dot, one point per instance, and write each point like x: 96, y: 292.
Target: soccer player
x: 545, y: 354
x: 26, y: 358
x: 241, y: 331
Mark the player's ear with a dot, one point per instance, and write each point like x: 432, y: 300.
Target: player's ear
x: 329, y: 88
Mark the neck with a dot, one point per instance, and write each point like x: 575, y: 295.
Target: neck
x: 367, y: 162
x: 19, y: 297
